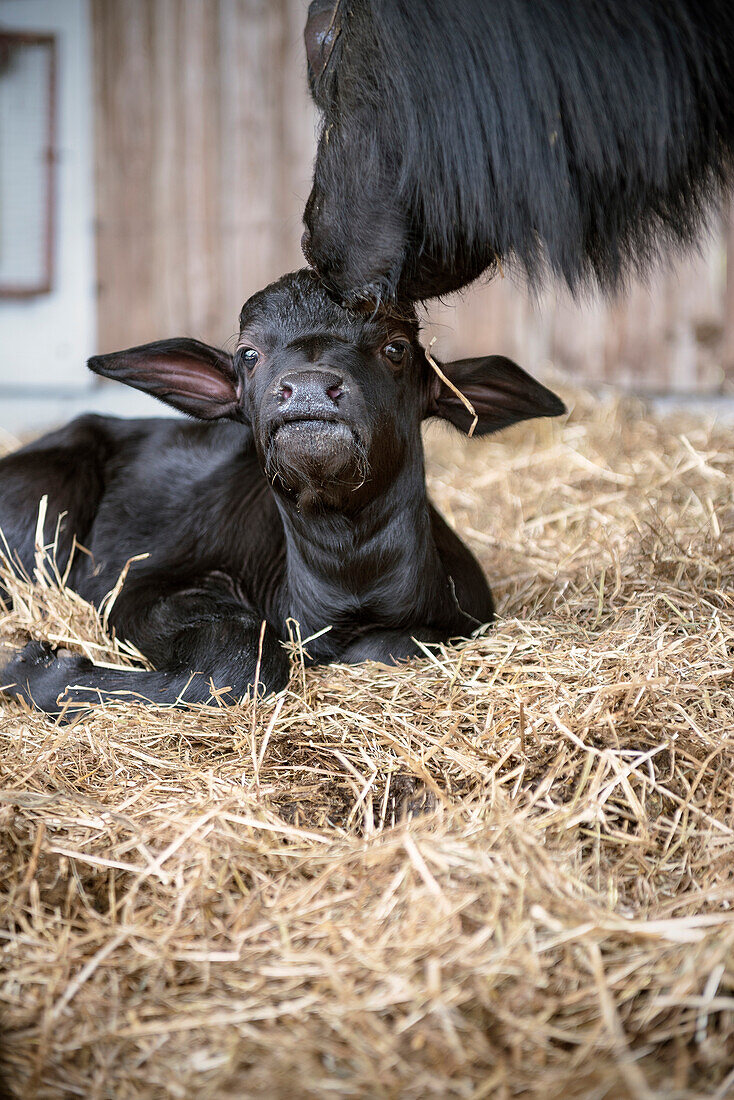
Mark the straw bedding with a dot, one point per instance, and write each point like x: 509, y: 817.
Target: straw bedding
x: 503, y: 870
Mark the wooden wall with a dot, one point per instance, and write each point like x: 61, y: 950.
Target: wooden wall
x: 674, y: 335
x: 204, y: 143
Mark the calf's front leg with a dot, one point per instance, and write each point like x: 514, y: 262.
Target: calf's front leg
x: 219, y: 655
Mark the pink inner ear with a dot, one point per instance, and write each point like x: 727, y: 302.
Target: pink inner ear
x: 482, y: 397
x: 489, y: 396
x: 193, y: 380
x: 190, y: 376
x: 499, y: 391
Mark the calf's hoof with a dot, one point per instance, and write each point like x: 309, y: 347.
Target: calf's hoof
x: 39, y: 674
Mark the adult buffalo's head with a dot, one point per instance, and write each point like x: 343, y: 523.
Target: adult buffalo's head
x: 558, y: 137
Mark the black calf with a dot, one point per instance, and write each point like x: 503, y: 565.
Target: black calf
x: 309, y: 504
x: 577, y: 135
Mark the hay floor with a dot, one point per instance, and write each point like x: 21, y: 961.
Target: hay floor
x: 505, y: 870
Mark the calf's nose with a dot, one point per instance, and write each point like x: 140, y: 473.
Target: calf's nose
x: 309, y: 392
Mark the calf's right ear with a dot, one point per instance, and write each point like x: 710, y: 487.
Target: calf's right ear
x: 190, y: 376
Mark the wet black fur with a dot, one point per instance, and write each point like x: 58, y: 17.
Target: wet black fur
x: 582, y: 137
x: 339, y: 535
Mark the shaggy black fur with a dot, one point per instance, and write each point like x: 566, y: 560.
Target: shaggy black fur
x: 582, y: 137
x: 339, y: 536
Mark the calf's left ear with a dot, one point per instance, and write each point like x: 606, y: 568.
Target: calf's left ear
x: 500, y: 391
x: 197, y: 379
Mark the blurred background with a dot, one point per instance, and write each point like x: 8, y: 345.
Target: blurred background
x: 155, y: 157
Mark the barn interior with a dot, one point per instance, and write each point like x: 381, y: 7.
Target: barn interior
x: 502, y: 870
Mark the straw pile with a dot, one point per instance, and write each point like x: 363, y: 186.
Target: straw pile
x: 504, y: 870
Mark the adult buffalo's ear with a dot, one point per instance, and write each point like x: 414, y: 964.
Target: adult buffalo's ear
x: 322, y: 30
x: 500, y: 392
x: 191, y: 376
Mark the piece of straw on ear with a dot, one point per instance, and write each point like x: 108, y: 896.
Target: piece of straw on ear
x: 454, y: 389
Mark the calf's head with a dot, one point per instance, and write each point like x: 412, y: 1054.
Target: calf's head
x: 335, y: 400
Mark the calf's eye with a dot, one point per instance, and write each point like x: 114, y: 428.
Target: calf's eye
x: 249, y: 357
x: 395, y: 351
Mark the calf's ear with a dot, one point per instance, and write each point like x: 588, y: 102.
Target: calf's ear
x: 191, y: 376
x: 500, y: 392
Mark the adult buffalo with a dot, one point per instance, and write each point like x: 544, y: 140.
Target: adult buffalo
x: 576, y: 137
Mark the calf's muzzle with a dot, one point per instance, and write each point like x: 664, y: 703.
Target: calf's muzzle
x: 310, y: 394
x: 310, y: 417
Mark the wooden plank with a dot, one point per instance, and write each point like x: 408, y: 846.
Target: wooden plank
x: 124, y: 140
x: 297, y: 129
x: 250, y: 177
x: 728, y: 303
x: 199, y: 79
x: 675, y: 334
x: 168, y: 241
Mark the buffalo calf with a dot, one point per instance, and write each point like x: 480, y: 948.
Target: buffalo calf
x: 299, y: 496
